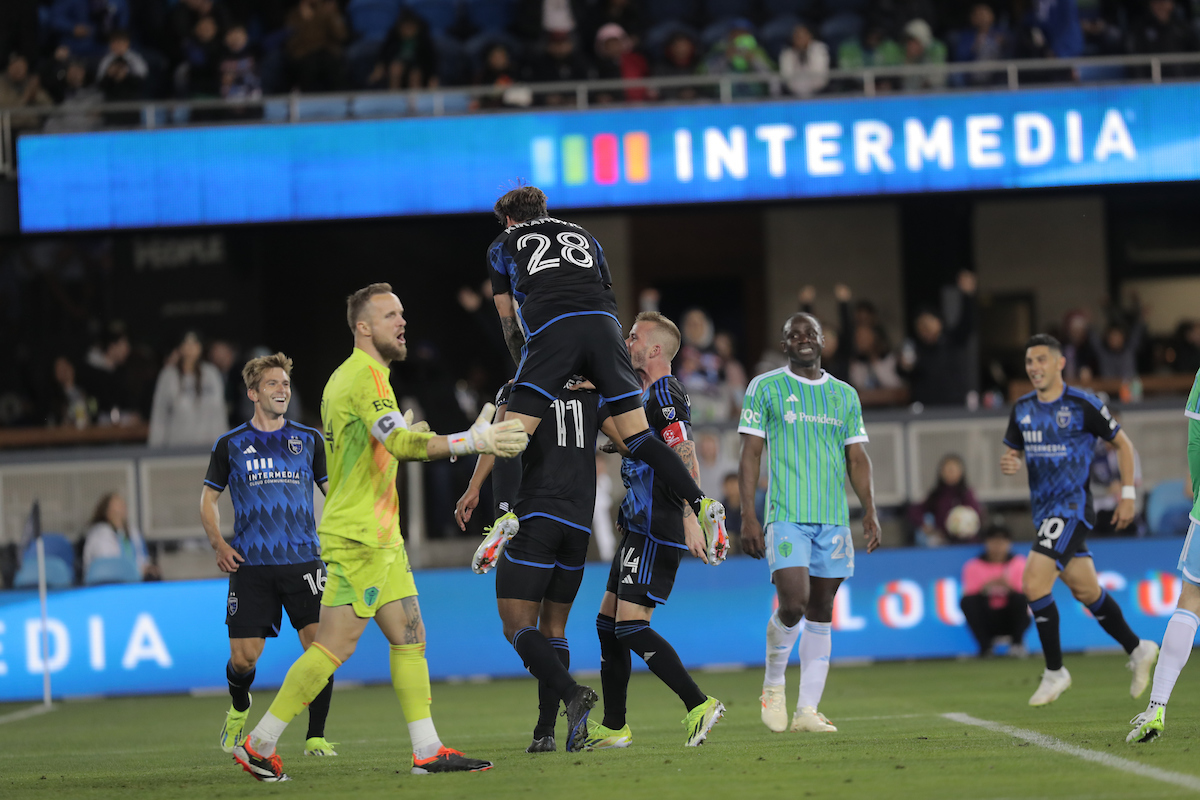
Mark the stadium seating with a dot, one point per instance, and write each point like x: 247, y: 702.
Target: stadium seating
x: 489, y: 15
x: 836, y: 30
x: 1167, y: 509
x: 58, y: 574
x: 439, y: 15
x: 112, y: 570
x: 800, y: 8
x: 371, y: 19
x: 777, y: 34
x: 726, y: 9
x: 657, y: 37
x: 684, y: 11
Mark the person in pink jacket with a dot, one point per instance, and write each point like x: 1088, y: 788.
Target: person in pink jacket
x: 992, y: 601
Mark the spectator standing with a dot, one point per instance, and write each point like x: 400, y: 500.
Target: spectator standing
x: 936, y: 362
x: 21, y: 89
x: 983, y: 41
x: 537, y: 18
x: 106, y: 375
x: 1052, y: 30
x: 836, y: 355
x: 1163, y: 30
x: 109, y: 535
x: 120, y: 46
x: 189, y: 399
x: 1077, y: 348
x: 120, y: 85
x: 616, y: 59
x: 873, y: 367
x: 407, y: 59
x: 804, y: 64
x: 930, y: 517
x: 183, y: 18
x: 739, y: 53
x: 1116, y: 353
x: 239, y: 67
x: 314, y: 47
x: 85, y: 25
x: 992, y: 601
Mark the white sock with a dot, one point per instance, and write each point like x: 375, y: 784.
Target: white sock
x: 425, y: 741
x: 780, y: 641
x: 1176, y: 647
x: 815, y: 646
x: 266, y: 733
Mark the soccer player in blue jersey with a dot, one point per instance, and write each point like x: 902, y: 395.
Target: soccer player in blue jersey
x: 269, y: 465
x: 1053, y: 429
x: 811, y: 424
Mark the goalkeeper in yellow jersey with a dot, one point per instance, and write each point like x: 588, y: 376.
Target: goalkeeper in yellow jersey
x: 368, y: 571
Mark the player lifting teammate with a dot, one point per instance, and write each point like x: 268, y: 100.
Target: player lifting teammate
x: 269, y: 465
x: 1055, y: 428
x: 539, y: 571
x: 658, y: 527
x: 553, y: 292
x: 369, y: 575
x: 811, y: 424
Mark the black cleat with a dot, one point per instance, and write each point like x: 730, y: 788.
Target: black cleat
x: 263, y: 768
x: 580, y: 704
x: 544, y: 744
x: 448, y: 760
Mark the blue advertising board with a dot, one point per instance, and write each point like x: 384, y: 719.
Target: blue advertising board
x: 612, y: 158
x: 170, y: 637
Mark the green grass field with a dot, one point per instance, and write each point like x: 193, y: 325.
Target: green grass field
x: 892, y: 742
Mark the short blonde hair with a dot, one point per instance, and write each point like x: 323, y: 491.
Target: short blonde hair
x: 671, y: 339
x: 255, y: 368
x: 356, y: 302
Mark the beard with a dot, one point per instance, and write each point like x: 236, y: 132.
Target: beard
x: 390, y: 349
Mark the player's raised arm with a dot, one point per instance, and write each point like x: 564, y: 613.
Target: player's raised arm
x: 506, y: 307
x: 749, y: 467
x: 858, y: 468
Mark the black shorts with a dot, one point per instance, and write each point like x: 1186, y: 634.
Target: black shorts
x: 590, y: 345
x: 1062, y: 538
x: 544, y: 561
x: 258, y: 595
x: 643, y: 570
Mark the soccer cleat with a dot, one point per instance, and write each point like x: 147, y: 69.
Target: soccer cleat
x: 810, y: 720
x: 1141, y: 664
x: 774, y: 708
x: 448, y: 760
x: 545, y: 744
x: 319, y: 746
x: 231, y: 731
x: 1147, y: 726
x: 716, y: 538
x: 1054, y: 683
x: 700, y: 720
x: 602, y: 738
x: 581, y: 703
x: 495, y: 537
x: 268, y: 769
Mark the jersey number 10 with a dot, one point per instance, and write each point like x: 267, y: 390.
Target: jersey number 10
x: 561, y: 409
x: 574, y: 249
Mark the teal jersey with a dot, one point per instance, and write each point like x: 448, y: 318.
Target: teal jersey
x: 1193, y: 451
x: 807, y: 425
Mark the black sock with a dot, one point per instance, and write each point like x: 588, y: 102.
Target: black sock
x: 615, y: 668
x: 548, y: 700
x: 239, y: 686
x: 662, y: 660
x: 1045, y: 614
x: 1108, y: 614
x: 542, y: 660
x: 318, y: 711
x: 506, y: 482
x: 662, y: 459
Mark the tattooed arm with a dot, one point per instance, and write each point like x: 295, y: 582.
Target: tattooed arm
x: 692, y: 534
x: 513, y: 336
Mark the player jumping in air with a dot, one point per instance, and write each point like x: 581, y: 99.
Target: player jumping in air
x: 270, y: 465
x: 1181, y: 630
x: 1055, y: 428
x: 539, y: 571
x: 811, y: 424
x: 369, y: 575
x: 553, y: 292
x: 657, y: 528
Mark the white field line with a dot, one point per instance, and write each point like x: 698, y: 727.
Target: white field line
x: 25, y: 713
x: 886, y: 716
x: 1059, y: 746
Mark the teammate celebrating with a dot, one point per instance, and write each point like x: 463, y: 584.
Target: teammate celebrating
x: 540, y: 569
x: 1055, y: 428
x: 1181, y: 630
x: 369, y: 575
x: 811, y: 424
x: 270, y: 465
x: 657, y: 529
x: 566, y: 324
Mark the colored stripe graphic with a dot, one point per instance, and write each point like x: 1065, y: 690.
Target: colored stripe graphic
x: 605, y: 155
x: 543, y: 152
x: 637, y: 157
x: 574, y: 160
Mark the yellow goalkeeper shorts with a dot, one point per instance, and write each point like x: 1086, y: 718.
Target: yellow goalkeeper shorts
x: 365, y: 577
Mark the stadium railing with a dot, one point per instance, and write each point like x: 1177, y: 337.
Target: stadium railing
x: 728, y: 88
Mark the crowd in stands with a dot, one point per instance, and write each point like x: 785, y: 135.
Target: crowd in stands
x: 80, y: 52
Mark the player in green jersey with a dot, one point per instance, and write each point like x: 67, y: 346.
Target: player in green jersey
x: 811, y: 424
x: 1181, y: 630
x: 369, y: 575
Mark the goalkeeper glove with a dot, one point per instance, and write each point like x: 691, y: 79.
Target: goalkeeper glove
x: 503, y: 439
x: 415, y: 427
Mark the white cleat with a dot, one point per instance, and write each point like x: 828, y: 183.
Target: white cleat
x: 1141, y: 664
x: 1147, y: 726
x: 810, y: 720
x: 774, y: 708
x: 716, y: 536
x: 494, y: 538
x: 1054, y: 683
